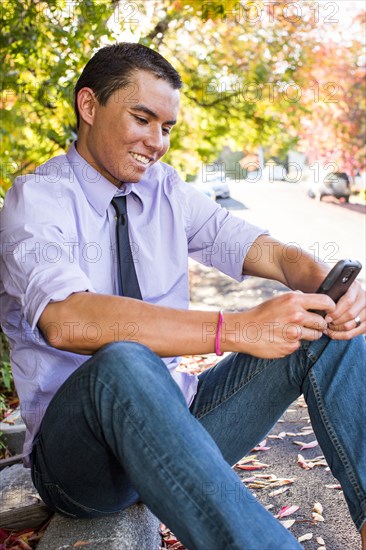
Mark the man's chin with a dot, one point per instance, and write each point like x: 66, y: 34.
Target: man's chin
x: 135, y: 175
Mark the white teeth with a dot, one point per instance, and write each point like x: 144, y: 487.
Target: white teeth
x: 140, y: 158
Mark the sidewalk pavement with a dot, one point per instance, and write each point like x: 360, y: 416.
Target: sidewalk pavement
x: 212, y: 290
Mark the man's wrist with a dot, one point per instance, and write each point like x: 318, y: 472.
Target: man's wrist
x: 232, y: 337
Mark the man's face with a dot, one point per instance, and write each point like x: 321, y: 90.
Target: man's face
x: 123, y: 138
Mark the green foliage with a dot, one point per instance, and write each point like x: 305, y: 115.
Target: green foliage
x: 7, y: 388
x: 6, y: 379
x: 44, y: 46
x: 238, y: 73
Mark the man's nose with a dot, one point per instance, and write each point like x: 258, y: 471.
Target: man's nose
x: 154, y: 139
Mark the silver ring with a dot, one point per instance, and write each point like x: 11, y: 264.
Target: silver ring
x: 358, y: 321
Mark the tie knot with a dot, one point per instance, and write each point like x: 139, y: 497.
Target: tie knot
x: 119, y: 204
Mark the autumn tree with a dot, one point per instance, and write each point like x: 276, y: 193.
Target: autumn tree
x: 333, y: 130
x: 243, y: 64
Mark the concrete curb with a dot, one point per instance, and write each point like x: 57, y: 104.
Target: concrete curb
x: 136, y: 528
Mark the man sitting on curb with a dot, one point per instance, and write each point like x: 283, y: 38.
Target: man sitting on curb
x: 94, y: 299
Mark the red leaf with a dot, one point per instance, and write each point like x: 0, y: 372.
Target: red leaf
x: 287, y: 511
x: 250, y: 467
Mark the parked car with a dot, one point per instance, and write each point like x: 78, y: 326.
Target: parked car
x: 213, y: 176
x: 274, y: 172
x: 333, y: 184
x: 220, y: 187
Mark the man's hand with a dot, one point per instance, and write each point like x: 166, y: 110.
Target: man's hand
x: 276, y: 327
x: 341, y: 321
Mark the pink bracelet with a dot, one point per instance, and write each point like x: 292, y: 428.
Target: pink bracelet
x: 218, y: 333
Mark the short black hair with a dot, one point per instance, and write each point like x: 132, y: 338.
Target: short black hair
x: 111, y: 67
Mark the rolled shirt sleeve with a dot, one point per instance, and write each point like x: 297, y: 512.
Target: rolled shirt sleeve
x: 216, y: 238
x: 39, y: 262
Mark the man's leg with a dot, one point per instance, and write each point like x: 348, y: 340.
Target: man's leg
x: 242, y: 397
x: 119, y: 430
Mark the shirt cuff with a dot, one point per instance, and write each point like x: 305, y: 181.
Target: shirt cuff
x: 37, y: 301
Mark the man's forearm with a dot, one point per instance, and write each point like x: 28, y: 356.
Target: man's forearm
x: 85, y: 322
x: 305, y: 273
x: 288, y: 264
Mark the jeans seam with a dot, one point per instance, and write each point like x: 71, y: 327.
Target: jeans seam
x: 348, y: 468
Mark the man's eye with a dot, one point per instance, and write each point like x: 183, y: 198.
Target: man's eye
x: 166, y: 131
x: 141, y: 120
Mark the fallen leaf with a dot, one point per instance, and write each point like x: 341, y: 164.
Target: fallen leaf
x: 307, y: 536
x: 310, y: 445
x: 281, y: 435
x: 252, y: 467
x: 335, y: 486
x: 263, y: 481
x: 278, y: 491
x: 320, y: 540
x: 247, y: 459
x: 317, y: 517
x: 306, y: 465
x: 81, y: 543
x: 318, y: 508
x: 261, y: 446
x: 288, y: 523
x: 310, y: 463
x: 250, y: 463
x: 322, y: 548
x: 287, y: 511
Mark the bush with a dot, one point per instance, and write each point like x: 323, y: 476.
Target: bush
x: 7, y: 388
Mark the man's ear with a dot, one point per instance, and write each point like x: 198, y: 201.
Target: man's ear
x: 87, y: 103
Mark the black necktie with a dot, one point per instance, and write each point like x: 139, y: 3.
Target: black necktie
x: 129, y: 285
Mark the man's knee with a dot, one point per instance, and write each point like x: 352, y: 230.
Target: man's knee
x: 126, y: 362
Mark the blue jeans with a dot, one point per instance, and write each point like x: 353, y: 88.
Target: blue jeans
x: 119, y: 431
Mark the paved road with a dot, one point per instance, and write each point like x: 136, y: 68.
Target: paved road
x: 327, y: 230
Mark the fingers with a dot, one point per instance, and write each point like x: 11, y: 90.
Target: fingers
x: 346, y: 308
x: 320, y: 302
x: 348, y: 330
x: 349, y: 317
x: 304, y: 326
x: 314, y: 321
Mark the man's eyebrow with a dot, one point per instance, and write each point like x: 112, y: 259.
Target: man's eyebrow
x: 153, y: 115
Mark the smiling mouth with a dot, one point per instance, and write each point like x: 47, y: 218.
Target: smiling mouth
x: 141, y: 158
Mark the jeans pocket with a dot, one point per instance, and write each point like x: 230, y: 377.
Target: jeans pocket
x: 56, y: 499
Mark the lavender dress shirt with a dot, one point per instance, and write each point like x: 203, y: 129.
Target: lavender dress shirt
x: 57, y: 231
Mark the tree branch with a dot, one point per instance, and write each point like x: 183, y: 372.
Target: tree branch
x: 160, y: 28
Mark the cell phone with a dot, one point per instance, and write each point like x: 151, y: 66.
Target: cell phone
x: 338, y: 280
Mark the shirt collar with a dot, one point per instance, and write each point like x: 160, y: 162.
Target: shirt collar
x: 98, y: 190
